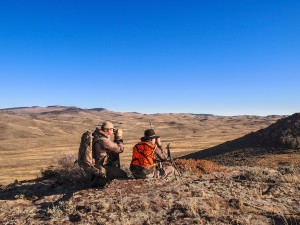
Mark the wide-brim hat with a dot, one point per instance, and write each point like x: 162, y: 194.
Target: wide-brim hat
x: 149, y: 134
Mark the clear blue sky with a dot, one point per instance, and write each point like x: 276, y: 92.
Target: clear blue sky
x: 230, y: 57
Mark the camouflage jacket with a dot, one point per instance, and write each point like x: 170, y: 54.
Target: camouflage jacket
x: 106, y: 152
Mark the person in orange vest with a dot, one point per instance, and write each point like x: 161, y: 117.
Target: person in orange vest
x: 147, y: 155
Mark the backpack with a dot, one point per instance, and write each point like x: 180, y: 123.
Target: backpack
x: 85, y: 155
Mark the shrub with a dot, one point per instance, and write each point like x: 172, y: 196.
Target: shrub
x: 197, y: 167
x: 65, y: 170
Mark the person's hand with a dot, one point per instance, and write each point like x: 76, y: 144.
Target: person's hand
x: 158, y: 142
x: 102, y: 172
x: 119, y: 134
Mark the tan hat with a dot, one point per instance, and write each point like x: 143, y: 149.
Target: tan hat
x: 107, y: 125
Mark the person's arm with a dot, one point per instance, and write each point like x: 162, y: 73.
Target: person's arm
x: 112, y: 146
x: 160, y: 152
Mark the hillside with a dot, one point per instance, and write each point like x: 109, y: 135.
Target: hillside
x: 40, y: 144
x: 32, y: 136
x: 278, y: 141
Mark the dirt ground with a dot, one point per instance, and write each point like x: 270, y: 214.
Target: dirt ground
x: 205, y: 194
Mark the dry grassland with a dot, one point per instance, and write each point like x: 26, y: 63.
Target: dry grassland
x: 31, y: 137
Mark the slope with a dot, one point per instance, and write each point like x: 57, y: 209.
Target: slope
x: 279, y: 139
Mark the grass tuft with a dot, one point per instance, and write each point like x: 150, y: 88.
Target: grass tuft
x: 197, y: 167
x: 65, y: 170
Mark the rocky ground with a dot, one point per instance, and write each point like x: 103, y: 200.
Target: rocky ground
x: 205, y: 194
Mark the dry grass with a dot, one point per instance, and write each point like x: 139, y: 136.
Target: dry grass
x: 209, y: 194
x: 30, y: 138
x: 65, y: 171
x: 197, y: 167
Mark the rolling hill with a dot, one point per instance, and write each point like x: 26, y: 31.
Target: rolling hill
x: 31, y: 137
x: 278, y: 141
x: 207, y: 193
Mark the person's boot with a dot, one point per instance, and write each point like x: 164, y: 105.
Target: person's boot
x: 98, y: 182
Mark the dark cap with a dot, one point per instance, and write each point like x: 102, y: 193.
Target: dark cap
x: 149, y: 134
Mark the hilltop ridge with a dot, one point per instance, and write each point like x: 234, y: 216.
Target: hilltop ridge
x: 278, y: 138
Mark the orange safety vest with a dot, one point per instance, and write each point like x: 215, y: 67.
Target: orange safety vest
x: 143, y: 154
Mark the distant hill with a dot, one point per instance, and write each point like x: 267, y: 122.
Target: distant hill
x: 279, y: 138
x: 48, y: 109
x: 36, y: 109
x: 97, y: 109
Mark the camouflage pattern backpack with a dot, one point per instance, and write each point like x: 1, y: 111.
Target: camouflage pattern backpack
x: 85, y: 155
x: 85, y: 150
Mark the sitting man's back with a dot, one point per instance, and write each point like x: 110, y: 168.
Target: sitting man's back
x: 146, y: 155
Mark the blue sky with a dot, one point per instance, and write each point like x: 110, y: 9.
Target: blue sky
x: 221, y: 57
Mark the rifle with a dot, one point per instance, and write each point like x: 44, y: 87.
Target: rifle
x: 171, y: 160
x: 159, y: 167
